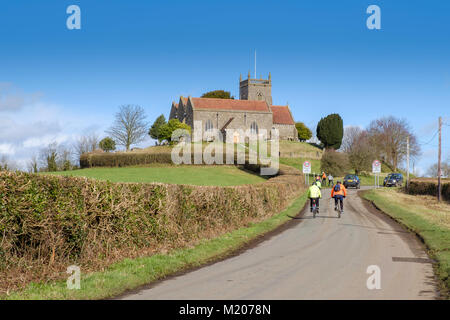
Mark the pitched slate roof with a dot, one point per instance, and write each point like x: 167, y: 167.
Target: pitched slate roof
x: 230, y: 104
x: 282, y: 115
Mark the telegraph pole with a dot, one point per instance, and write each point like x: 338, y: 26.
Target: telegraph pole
x: 407, y: 163
x: 439, y: 160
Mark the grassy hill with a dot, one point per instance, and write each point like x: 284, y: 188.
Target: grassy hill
x: 193, y: 175
x: 288, y: 149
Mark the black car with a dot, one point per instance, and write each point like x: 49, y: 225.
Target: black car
x: 393, y: 180
x: 352, y: 180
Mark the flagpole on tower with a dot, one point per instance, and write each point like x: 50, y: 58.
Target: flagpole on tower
x: 255, y: 63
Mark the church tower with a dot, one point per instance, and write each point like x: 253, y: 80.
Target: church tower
x: 256, y: 89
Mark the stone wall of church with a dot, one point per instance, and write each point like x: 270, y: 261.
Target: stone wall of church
x: 173, y: 112
x: 287, y: 131
x: 242, y: 120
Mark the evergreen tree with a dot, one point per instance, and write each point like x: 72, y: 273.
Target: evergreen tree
x: 330, y: 131
x: 154, y: 131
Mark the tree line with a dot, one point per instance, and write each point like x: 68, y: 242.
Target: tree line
x: 355, y: 148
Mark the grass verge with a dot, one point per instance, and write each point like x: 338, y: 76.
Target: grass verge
x: 424, y: 220
x: 132, y: 273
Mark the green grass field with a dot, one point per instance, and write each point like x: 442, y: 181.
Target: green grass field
x: 193, y: 175
x: 298, y: 163
x: 424, y: 216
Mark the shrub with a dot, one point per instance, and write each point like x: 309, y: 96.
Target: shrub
x: 166, y: 130
x: 428, y: 188
x: 49, y: 222
x: 334, y: 162
x: 107, y: 144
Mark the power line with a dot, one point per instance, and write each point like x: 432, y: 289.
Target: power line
x: 430, y: 139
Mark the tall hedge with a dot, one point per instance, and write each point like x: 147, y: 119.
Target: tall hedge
x: 428, y: 188
x: 50, y: 222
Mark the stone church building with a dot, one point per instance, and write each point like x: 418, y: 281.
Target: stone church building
x: 253, y: 110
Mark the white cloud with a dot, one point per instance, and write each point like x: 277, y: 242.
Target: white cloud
x: 27, y: 125
x: 14, y: 99
x: 43, y: 141
x: 7, y: 148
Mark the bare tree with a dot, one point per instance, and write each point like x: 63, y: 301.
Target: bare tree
x: 351, y: 134
x: 48, y: 157
x: 33, y: 165
x: 6, y: 164
x: 64, y: 159
x: 129, y: 126
x: 85, y: 144
x: 388, y: 138
x: 445, y: 168
x: 360, y: 152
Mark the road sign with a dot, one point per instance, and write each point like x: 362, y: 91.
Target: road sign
x: 376, y: 166
x: 306, y: 167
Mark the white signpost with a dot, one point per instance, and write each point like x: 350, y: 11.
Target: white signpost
x: 376, y: 169
x: 306, y: 171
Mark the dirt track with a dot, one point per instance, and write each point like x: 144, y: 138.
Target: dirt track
x: 321, y: 258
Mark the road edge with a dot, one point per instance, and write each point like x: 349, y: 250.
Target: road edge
x: 442, y: 291
x: 232, y: 252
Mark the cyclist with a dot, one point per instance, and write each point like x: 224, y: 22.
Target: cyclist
x: 314, y: 194
x: 318, y: 182
x: 338, y: 192
x: 330, y: 180
x: 324, y: 177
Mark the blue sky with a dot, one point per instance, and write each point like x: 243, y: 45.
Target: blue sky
x: 56, y: 84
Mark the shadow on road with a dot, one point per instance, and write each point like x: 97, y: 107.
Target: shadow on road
x: 311, y: 217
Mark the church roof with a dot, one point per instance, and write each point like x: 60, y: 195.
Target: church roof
x: 282, y: 115
x: 230, y: 104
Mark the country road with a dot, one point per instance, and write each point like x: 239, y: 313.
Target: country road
x: 321, y: 258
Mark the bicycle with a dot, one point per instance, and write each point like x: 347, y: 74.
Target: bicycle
x: 338, y: 209
x: 315, y: 210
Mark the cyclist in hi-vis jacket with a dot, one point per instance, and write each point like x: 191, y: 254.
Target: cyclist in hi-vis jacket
x: 314, y: 194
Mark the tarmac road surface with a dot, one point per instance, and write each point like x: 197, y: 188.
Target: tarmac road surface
x: 321, y: 258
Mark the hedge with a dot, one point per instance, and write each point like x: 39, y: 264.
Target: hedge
x: 123, y: 159
x: 428, y: 188
x: 50, y: 222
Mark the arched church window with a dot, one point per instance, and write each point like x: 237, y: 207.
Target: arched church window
x: 254, y: 128
x: 260, y: 96
x: 208, y: 125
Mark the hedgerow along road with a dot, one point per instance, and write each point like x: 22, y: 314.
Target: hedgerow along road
x: 315, y: 258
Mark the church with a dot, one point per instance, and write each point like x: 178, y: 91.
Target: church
x: 253, y: 111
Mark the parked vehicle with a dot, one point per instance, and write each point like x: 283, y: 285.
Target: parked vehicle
x: 352, y: 180
x: 393, y: 180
